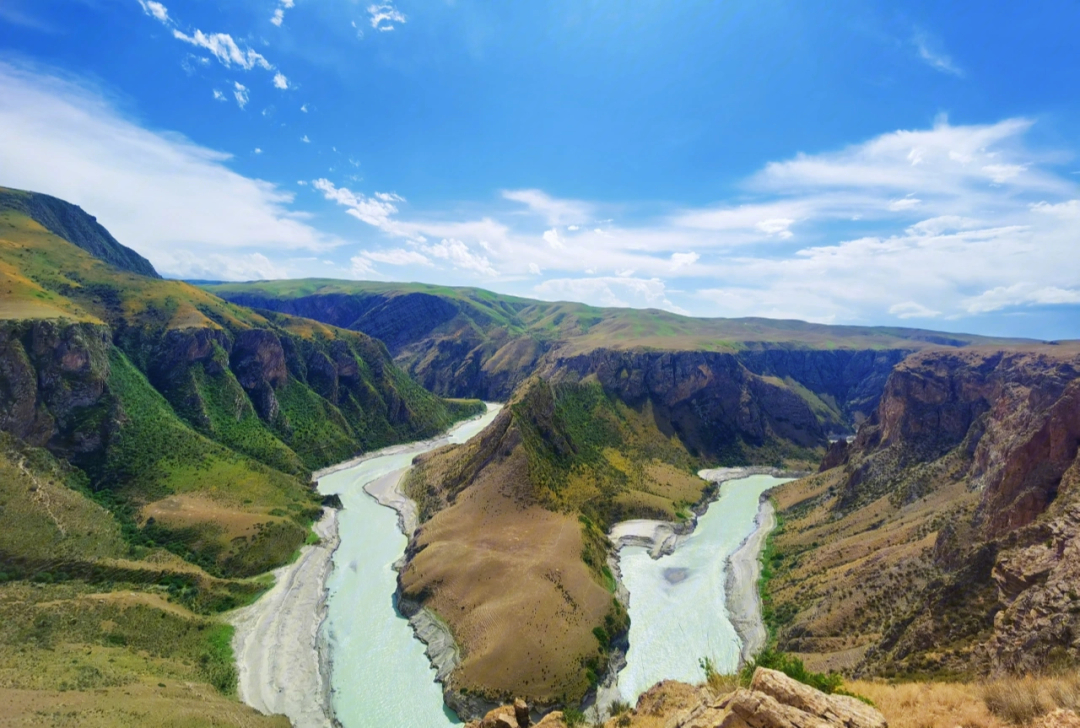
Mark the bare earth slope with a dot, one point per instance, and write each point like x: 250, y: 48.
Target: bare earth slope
x: 511, y: 551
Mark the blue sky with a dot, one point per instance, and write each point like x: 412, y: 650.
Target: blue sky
x: 866, y: 162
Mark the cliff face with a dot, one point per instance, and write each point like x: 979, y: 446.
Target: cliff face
x: 52, y: 377
x: 738, y: 401
x: 717, y: 407
x: 959, y: 499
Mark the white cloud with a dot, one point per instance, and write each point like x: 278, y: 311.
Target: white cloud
x: 1002, y: 173
x: 280, y: 81
x: 384, y: 15
x: 240, y: 91
x: 398, y: 256
x: 933, y: 57
x: 1021, y: 294
x: 156, y: 192
x: 1068, y: 209
x: 219, y: 96
x: 258, y: 151
x: 911, y: 309
x: 868, y: 261
x: 778, y: 226
x: 904, y: 203
x: 305, y: 139
x: 304, y: 108
x: 222, y: 267
x: 458, y: 255
x: 554, y: 211
x: 278, y: 17
x: 608, y: 291
x: 155, y: 10
x: 361, y: 267
x: 375, y: 212
x: 225, y: 49
x: 680, y: 260
x: 551, y: 237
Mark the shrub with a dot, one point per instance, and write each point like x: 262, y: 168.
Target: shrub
x: 718, y: 683
x: 794, y: 668
x: 573, y: 717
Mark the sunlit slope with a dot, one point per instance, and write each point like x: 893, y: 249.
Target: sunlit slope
x: 177, y: 405
x: 471, y: 342
x: 353, y: 304
x: 512, y: 552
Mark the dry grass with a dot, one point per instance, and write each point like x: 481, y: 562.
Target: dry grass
x: 510, y: 581
x: 992, y: 704
x: 1021, y: 700
x: 171, y: 704
x: 848, y: 577
x: 929, y: 705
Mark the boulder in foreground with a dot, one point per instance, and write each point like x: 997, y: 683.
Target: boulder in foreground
x: 773, y: 700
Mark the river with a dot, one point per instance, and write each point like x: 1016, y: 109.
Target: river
x: 678, y: 612
x: 380, y: 675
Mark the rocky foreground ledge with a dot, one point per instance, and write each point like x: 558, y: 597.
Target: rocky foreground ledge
x: 773, y: 700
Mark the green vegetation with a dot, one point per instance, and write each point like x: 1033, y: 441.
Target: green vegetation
x: 80, y: 639
x: 794, y: 668
x: 573, y: 717
x: 156, y: 461
x: 589, y: 326
x: 771, y: 559
x: 590, y: 453
x: 719, y: 683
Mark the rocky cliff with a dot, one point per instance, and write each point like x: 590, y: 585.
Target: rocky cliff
x: 949, y: 523
x: 772, y: 386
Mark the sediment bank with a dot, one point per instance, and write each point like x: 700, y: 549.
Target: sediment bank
x: 282, y: 662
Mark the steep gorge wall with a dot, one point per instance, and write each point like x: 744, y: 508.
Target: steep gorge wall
x: 951, y: 523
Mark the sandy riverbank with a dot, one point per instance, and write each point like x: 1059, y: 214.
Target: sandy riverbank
x: 282, y: 663
x: 741, y: 585
x: 387, y: 491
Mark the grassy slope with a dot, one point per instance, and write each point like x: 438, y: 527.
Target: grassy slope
x: 147, y: 468
x: 560, y: 465
x: 586, y: 327
x: 155, y: 454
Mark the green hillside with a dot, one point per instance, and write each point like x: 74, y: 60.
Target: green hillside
x: 156, y: 446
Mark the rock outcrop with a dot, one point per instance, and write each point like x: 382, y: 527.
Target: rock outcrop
x: 950, y: 524
x: 773, y: 700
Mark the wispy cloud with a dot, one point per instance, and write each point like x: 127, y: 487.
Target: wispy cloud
x: 221, y: 46
x: 932, y: 56
x: 553, y: 211
x: 279, y: 13
x: 240, y: 92
x: 384, y: 15
x: 225, y: 49
x: 155, y: 10
x: 172, y: 200
x: 924, y: 224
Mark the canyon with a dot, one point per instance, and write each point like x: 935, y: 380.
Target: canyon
x: 158, y: 441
